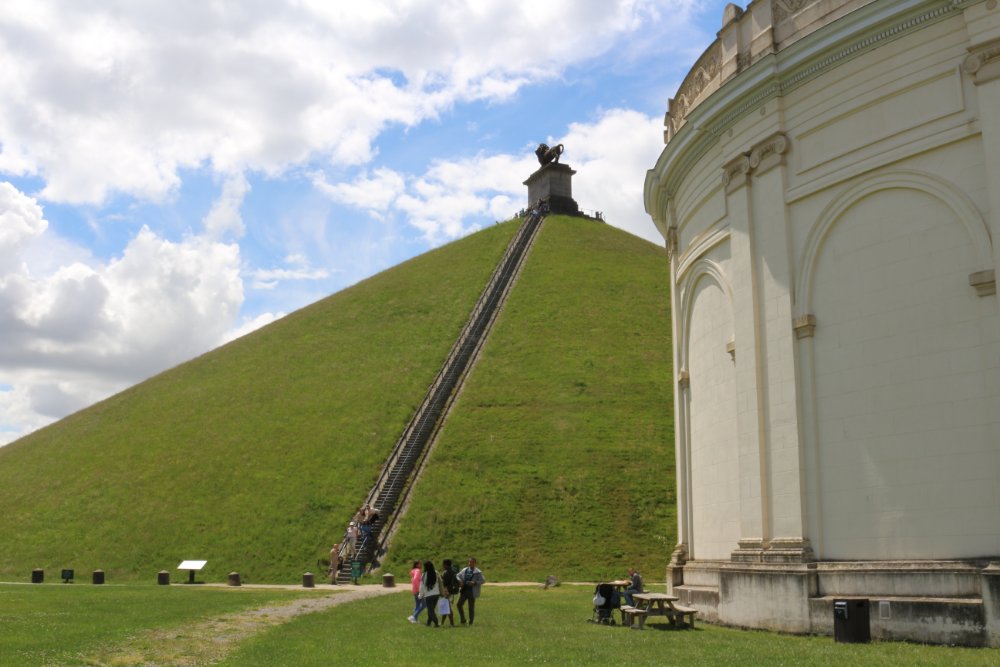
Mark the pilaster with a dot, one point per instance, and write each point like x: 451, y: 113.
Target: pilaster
x: 749, y: 397
x: 781, y: 467
x: 983, y: 66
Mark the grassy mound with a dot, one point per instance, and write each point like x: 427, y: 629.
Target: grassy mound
x: 558, y: 456
x: 254, y: 455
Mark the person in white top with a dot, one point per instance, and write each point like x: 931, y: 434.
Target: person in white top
x: 430, y: 590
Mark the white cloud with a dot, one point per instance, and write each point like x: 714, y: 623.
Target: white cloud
x: 99, y: 99
x: 252, y: 325
x: 374, y: 193
x: 79, y: 330
x: 224, y: 217
x: 298, y: 269
x: 453, y: 198
x: 611, y: 157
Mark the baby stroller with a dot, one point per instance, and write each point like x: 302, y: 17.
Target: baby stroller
x: 606, y: 600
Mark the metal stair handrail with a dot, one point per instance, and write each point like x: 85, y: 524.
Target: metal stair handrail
x: 403, y: 444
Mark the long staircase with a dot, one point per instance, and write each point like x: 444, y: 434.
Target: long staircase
x: 392, y: 488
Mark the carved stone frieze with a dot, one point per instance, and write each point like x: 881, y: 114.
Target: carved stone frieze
x: 983, y: 62
x: 781, y: 10
x: 700, y: 76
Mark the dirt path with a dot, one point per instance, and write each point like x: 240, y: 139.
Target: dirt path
x: 211, y: 640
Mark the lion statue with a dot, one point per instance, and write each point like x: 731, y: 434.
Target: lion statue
x: 547, y: 155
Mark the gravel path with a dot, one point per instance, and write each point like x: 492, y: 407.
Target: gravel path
x: 211, y: 640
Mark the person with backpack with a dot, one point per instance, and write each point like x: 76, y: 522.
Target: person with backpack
x: 449, y: 588
x: 471, y: 581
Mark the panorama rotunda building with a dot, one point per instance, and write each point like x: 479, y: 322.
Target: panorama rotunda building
x: 829, y: 192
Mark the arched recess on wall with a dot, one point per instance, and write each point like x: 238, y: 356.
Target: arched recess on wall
x: 897, y: 373
x: 965, y: 212
x: 699, y: 269
x: 708, y: 453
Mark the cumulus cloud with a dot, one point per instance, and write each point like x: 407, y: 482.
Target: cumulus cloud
x: 75, y: 334
x: 101, y: 99
x: 611, y: 157
x: 375, y: 193
x: 224, y: 217
x: 454, y: 197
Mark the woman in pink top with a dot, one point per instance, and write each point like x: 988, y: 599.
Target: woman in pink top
x: 415, y: 588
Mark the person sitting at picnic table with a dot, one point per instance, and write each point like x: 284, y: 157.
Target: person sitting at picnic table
x: 635, y: 586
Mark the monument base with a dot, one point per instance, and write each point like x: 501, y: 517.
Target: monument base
x: 553, y: 185
x: 939, y: 602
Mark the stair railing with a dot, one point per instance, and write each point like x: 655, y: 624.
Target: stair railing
x: 395, y: 467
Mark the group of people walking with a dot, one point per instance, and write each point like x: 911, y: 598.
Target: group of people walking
x: 435, y: 591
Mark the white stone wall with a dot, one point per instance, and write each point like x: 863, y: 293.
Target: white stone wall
x: 830, y: 232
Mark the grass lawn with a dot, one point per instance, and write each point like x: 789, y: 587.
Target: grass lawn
x: 70, y: 625
x: 57, y: 624
x: 525, y: 626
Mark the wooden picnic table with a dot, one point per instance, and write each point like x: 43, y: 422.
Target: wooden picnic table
x: 656, y: 604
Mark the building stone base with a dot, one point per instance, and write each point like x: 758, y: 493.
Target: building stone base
x: 938, y: 602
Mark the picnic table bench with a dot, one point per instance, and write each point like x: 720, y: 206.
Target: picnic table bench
x: 657, y: 604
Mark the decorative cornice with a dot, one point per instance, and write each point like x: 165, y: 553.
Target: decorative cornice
x: 983, y: 62
x: 736, y: 172
x: 672, y: 242
x: 769, y: 153
x: 761, y: 158
x: 718, y: 106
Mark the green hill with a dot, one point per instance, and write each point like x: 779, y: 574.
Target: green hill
x: 558, y: 455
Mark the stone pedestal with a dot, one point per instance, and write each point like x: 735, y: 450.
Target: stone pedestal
x: 553, y: 184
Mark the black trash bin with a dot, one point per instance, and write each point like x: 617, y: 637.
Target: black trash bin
x: 851, y: 621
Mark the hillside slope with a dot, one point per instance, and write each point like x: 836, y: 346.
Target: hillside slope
x: 558, y: 457
x: 252, y: 456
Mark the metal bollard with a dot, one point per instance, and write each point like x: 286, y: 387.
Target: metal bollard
x: 98, y: 577
x: 234, y: 579
x: 308, y: 580
x: 163, y: 578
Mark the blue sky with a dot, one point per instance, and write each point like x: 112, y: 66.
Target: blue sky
x: 176, y: 174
